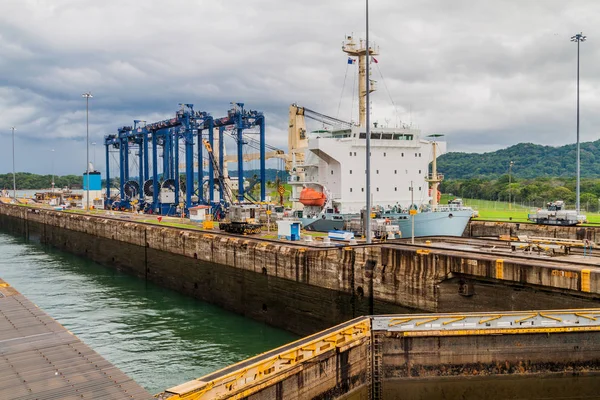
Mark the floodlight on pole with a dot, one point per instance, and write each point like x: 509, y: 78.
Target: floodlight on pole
x: 52, y: 170
x: 14, y: 175
x: 87, y: 96
x: 510, y: 165
x: 368, y: 132
x: 578, y: 38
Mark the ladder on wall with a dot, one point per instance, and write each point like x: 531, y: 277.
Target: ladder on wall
x: 375, y: 367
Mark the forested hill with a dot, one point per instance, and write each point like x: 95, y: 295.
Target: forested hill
x: 530, y: 161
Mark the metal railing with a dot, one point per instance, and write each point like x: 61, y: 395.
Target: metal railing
x: 520, y: 322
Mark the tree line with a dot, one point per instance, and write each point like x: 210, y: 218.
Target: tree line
x: 534, y: 192
x: 530, y: 161
x: 28, y: 181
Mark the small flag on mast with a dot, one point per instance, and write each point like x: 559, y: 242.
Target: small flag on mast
x: 351, y: 60
x: 374, y: 60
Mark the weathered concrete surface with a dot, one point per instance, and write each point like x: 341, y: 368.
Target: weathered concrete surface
x: 475, y: 367
x: 321, y: 366
x: 330, y: 376
x: 494, y: 296
x: 557, y: 365
x: 298, y: 289
x: 495, y: 229
x: 306, y: 289
x: 436, y: 280
x: 410, y: 357
x: 466, y: 356
x: 571, y: 385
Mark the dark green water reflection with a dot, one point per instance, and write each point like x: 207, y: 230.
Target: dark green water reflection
x: 154, y: 335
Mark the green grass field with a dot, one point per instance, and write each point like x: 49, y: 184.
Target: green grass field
x: 500, y: 211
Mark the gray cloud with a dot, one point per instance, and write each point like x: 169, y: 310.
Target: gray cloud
x: 487, y: 74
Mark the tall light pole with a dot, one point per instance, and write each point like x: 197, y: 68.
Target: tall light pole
x: 87, y: 96
x: 94, y: 144
x: 510, y: 165
x: 52, y: 170
x: 14, y: 176
x: 368, y: 131
x: 578, y: 38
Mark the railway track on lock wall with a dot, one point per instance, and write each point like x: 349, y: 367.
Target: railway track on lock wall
x: 214, y: 232
x: 492, y: 242
x: 499, y: 249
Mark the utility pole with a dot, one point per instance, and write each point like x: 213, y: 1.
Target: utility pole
x: 578, y: 38
x: 412, y: 213
x: 52, y: 170
x: 510, y: 165
x: 14, y: 176
x: 368, y: 131
x: 87, y: 96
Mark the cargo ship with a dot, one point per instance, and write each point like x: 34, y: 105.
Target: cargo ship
x: 327, y: 171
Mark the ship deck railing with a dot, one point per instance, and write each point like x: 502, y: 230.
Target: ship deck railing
x: 451, y: 208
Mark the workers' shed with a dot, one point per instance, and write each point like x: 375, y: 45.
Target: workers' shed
x: 288, y: 229
x: 199, y: 213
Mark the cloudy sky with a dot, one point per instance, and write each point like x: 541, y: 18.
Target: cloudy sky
x: 487, y: 74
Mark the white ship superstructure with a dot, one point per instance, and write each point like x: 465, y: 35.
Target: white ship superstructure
x: 335, y: 162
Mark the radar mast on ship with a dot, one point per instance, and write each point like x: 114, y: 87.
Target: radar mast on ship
x: 349, y: 47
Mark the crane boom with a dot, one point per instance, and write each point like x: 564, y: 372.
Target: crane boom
x: 220, y: 178
x: 325, y: 119
x: 297, y: 137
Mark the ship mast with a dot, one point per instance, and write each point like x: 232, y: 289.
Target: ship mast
x: 434, y: 178
x: 349, y: 47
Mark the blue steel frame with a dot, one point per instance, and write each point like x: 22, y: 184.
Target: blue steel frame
x: 187, y: 125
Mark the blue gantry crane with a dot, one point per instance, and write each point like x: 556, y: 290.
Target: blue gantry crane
x: 159, y: 192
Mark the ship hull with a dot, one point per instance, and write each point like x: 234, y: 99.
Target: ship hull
x: 322, y: 224
x: 438, y: 223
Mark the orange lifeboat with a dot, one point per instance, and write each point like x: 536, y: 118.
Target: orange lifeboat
x: 310, y: 197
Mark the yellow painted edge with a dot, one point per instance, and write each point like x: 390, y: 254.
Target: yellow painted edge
x: 483, y: 332
x: 499, y: 268
x: 585, y: 280
x: 196, y: 389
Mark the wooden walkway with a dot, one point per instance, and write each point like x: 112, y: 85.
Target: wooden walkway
x: 40, y: 359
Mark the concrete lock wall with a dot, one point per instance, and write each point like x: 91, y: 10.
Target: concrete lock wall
x: 491, y: 366
x: 439, y: 281
x: 393, y: 357
x: 297, y: 288
x: 332, y: 375
x: 496, y: 229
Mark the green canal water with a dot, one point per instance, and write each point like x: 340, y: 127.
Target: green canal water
x: 156, y: 336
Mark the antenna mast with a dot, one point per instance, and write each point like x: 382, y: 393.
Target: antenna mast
x: 349, y: 47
